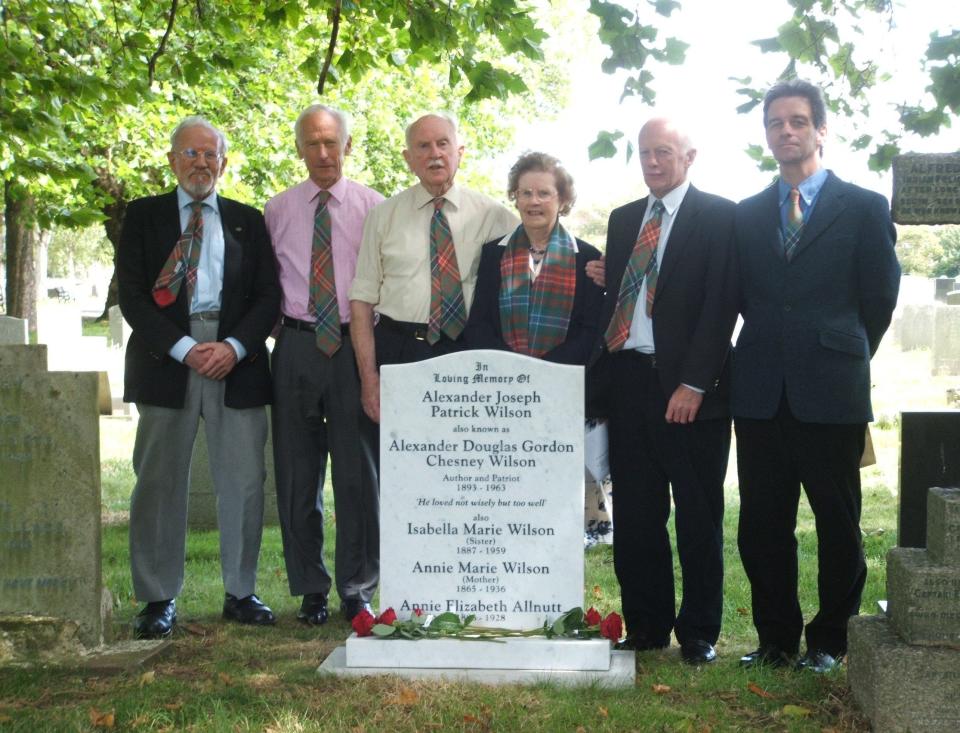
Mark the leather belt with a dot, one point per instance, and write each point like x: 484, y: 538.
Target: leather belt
x: 205, y: 316
x: 414, y: 330
x: 648, y: 361
x: 298, y: 325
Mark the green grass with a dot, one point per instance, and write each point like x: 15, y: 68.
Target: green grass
x: 93, y: 327
x: 222, y: 677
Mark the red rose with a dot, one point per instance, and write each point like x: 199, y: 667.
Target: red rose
x: 611, y: 627
x: 387, y: 617
x: 163, y: 297
x: 363, y: 622
x: 418, y: 612
x: 592, y: 617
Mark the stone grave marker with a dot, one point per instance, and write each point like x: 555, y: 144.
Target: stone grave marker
x: 953, y: 297
x: 943, y: 285
x: 929, y: 456
x: 24, y: 358
x: 14, y: 330
x: 904, y: 668
x: 481, y: 514
x: 926, y: 188
x: 50, y: 501
x: 945, y: 355
x: 915, y: 326
x: 119, y: 328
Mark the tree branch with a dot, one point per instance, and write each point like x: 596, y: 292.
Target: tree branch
x: 334, y: 31
x: 152, y: 64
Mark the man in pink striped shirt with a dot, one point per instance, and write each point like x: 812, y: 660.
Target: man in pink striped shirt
x: 316, y: 406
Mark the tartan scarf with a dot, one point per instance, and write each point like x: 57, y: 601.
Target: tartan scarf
x: 534, y: 317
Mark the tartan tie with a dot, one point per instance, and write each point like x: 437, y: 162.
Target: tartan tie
x: 448, y: 314
x: 642, y: 263
x: 323, y: 290
x: 182, y: 262
x: 794, y: 228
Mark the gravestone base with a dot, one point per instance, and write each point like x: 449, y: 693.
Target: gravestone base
x: 901, y: 686
x: 123, y: 656
x: 420, y: 660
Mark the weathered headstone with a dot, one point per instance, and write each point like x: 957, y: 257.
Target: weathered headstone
x: 945, y: 355
x: 50, y: 501
x: 929, y: 456
x: 481, y: 458
x: 14, y: 330
x: 904, y: 669
x: 23, y: 359
x: 915, y: 326
x: 202, y: 500
x: 941, y: 286
x: 926, y: 188
x: 119, y: 328
x: 953, y: 297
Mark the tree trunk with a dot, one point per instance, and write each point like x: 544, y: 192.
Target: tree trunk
x: 21, y: 239
x: 112, y: 225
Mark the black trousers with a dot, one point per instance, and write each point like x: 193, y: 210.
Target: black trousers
x: 774, y: 458
x: 648, y: 457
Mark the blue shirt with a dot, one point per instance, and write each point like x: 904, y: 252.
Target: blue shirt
x: 809, y: 191
x: 207, y: 291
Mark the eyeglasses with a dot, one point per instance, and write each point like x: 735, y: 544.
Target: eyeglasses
x: 543, y: 194
x: 208, y: 155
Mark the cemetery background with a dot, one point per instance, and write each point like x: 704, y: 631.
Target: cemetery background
x: 224, y: 677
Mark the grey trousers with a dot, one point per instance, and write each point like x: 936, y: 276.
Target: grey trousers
x: 316, y: 412
x: 161, y: 459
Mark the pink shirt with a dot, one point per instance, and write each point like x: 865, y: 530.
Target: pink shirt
x: 289, y: 216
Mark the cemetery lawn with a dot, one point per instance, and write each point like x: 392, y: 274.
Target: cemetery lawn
x: 223, y: 677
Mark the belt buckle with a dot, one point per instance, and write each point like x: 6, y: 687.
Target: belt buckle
x: 420, y: 334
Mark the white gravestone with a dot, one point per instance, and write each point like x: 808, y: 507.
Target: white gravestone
x: 482, y: 488
x: 13, y: 330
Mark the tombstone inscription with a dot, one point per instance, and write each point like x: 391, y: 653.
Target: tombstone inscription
x: 482, y: 488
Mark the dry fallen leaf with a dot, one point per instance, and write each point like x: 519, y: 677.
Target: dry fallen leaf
x: 101, y: 720
x: 173, y: 706
x: 604, y: 713
x: 795, y: 711
x: 597, y: 592
x: 743, y: 611
x: 147, y: 678
x: 225, y: 678
x: 758, y: 691
x: 408, y: 696
x: 195, y: 629
x: 660, y: 689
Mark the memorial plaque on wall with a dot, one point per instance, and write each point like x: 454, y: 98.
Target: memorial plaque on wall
x: 926, y: 188
x: 481, y: 512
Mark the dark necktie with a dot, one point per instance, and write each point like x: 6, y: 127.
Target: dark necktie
x: 794, y: 228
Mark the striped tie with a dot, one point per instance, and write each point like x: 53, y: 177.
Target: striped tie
x: 183, y: 261
x: 323, y: 289
x: 794, y: 228
x: 642, y: 263
x: 448, y: 314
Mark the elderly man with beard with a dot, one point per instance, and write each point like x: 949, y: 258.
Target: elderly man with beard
x: 434, y: 225
x: 199, y: 289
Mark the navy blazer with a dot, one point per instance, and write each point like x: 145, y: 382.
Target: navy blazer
x: 811, y: 325
x: 483, y: 326
x: 250, y: 302
x: 694, y: 307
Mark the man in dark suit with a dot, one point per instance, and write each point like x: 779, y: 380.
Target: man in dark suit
x: 199, y: 289
x: 818, y: 284
x: 671, y: 309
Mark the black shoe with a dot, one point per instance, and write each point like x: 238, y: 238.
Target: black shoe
x: 249, y: 610
x: 641, y: 642
x: 353, y: 606
x: 313, y: 609
x: 697, y: 651
x: 155, y: 620
x: 767, y: 656
x: 818, y: 662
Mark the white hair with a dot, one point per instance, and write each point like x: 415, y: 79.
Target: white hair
x: 198, y: 121
x: 343, y: 123
x: 446, y: 116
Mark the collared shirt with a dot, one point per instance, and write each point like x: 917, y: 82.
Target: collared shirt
x: 207, y: 291
x: 393, y: 269
x: 809, y: 191
x: 290, y: 216
x: 641, y: 327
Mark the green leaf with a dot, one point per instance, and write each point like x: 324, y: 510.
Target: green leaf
x: 768, y: 45
x: 665, y: 7
x: 604, y: 146
x: 882, y: 158
x: 383, y: 630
